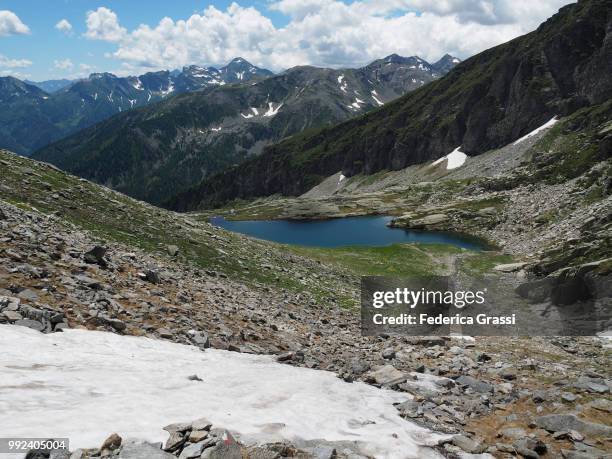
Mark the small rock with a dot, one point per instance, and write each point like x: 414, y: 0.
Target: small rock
x: 602, y: 404
x: 152, y: 276
x: 192, y: 451
x: 12, y: 316
x: 28, y: 294
x: 201, y: 424
x: 468, y: 445
x: 165, y: 333
x: 173, y: 250
x: 117, y: 324
x: 96, y: 256
x: 388, y: 354
x: 385, y: 375
x: 227, y: 448
x: 197, y: 436
x: 510, y: 267
x: 285, y: 357
x: 142, y: 450
x: 566, y: 422
x: 111, y: 444
x: 568, y: 397
x: 175, y: 441
x: 474, y: 384
x: 33, y: 324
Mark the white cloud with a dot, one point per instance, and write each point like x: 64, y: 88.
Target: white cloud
x: 18, y: 75
x: 103, y: 24
x: 321, y: 32
x: 63, y: 64
x: 64, y: 26
x: 13, y: 63
x: 10, y: 24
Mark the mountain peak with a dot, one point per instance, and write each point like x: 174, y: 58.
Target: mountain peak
x: 105, y: 75
x: 239, y: 69
x: 446, y: 63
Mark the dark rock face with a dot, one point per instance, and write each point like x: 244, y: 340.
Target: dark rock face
x: 485, y: 102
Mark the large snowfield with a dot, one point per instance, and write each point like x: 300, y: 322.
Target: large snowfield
x: 86, y: 385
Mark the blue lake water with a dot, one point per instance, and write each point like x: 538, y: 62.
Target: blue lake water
x: 341, y: 232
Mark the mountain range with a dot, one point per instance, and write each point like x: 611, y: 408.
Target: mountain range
x: 158, y: 151
x: 35, y: 115
x: 50, y: 86
x: 487, y: 101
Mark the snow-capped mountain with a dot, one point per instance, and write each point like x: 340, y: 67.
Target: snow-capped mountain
x: 239, y: 70
x: 156, y: 151
x: 84, y: 102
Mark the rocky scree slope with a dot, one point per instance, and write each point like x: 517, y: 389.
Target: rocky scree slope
x: 156, y: 152
x: 74, y: 251
x: 485, y: 102
x: 33, y: 118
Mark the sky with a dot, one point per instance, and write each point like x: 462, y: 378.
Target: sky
x: 50, y: 39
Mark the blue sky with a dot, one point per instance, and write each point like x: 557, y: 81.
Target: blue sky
x: 45, y: 44
x: 126, y: 36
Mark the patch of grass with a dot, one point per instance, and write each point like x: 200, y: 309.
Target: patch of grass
x: 393, y: 260
x: 479, y: 263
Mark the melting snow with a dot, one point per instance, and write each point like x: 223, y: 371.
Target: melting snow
x: 271, y: 110
x: 255, y: 111
x: 217, y: 129
x: 342, y: 83
x: 374, y: 96
x: 240, y: 75
x: 168, y: 91
x: 87, y: 384
x: 454, y: 159
x: 357, y: 103
x: 546, y: 125
x: 138, y: 85
x: 247, y: 116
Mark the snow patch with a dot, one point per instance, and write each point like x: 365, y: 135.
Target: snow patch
x: 271, y: 110
x: 357, y: 103
x: 546, y: 125
x: 376, y: 99
x: 455, y: 159
x: 170, y: 89
x: 86, y: 384
x: 341, y: 178
x: 255, y: 111
x: 217, y: 129
x: 138, y: 85
x: 342, y: 83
